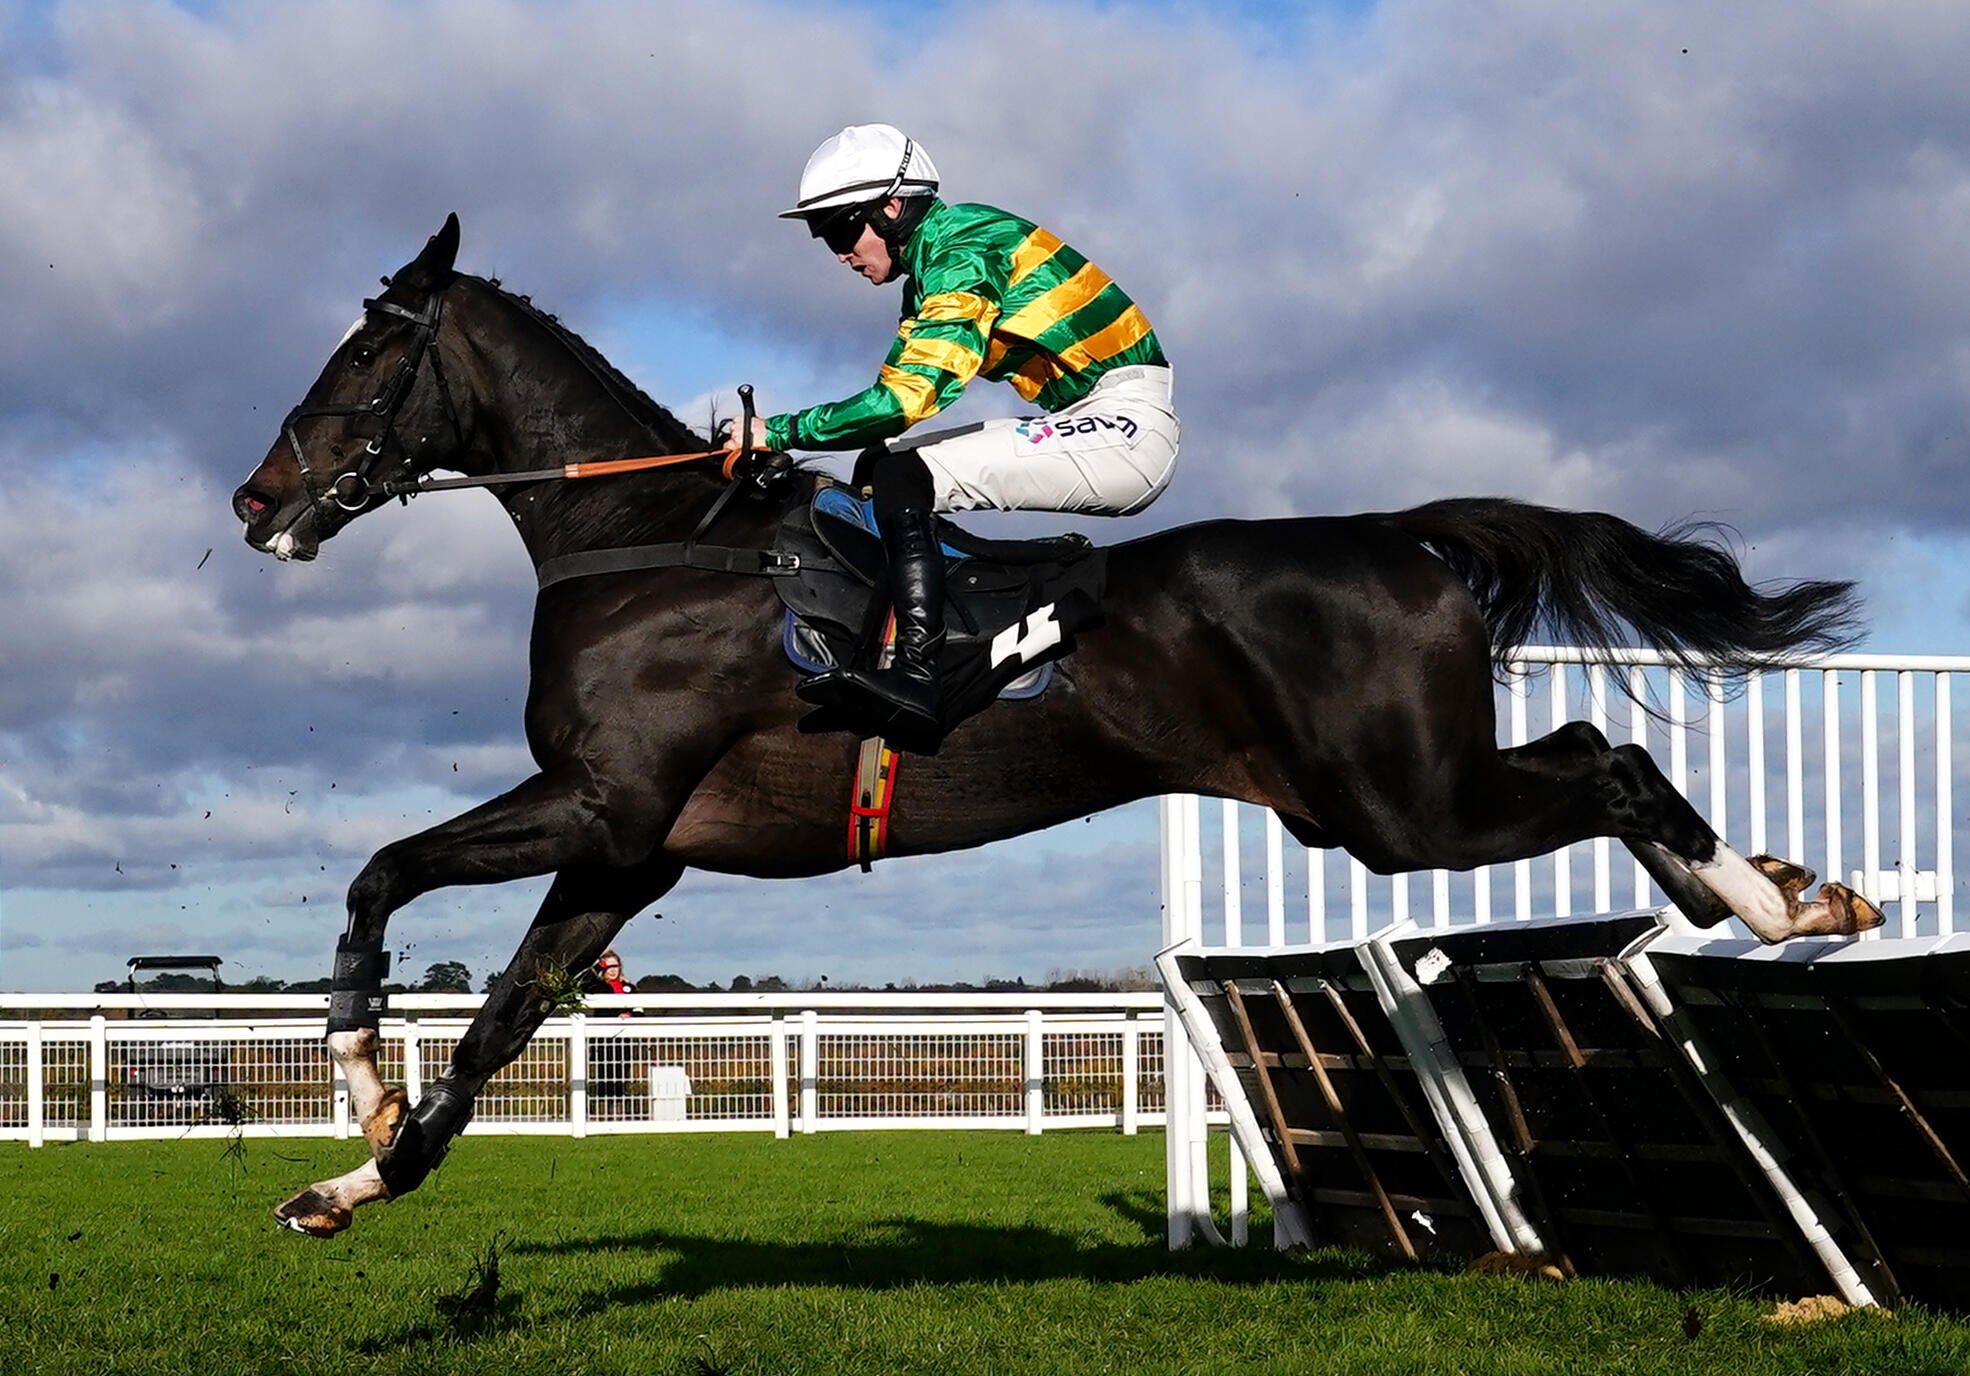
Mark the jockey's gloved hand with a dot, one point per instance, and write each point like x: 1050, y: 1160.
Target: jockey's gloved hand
x: 765, y: 469
x: 762, y: 470
x: 728, y: 433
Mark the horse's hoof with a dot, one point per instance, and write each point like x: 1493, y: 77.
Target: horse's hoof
x: 1530, y: 1265
x: 313, y: 1213
x: 380, y: 1128
x: 1853, y: 912
x: 1791, y: 879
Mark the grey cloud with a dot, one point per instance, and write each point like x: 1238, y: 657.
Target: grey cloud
x: 1536, y: 249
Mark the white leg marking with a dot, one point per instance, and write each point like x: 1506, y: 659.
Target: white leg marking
x: 309, y: 1211
x: 355, y: 1052
x: 1747, y: 893
x: 362, y: 1185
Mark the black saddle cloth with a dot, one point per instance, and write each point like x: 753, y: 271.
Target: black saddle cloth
x: 1011, y: 606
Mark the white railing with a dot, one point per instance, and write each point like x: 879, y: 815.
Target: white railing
x: 108, y: 1067
x: 1800, y: 762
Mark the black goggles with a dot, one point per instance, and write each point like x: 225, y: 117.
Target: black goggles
x: 841, y: 230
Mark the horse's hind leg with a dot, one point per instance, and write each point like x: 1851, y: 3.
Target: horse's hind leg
x: 1708, y: 880
x: 581, y: 914
x: 1569, y: 786
x: 1578, y: 749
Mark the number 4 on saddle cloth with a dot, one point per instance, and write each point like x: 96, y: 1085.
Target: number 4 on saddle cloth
x: 1012, y: 607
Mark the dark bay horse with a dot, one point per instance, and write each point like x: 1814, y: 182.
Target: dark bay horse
x: 1339, y: 671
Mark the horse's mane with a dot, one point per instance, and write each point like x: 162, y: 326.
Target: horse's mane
x: 659, y: 420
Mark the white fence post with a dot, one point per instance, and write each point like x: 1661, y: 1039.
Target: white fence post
x: 578, y: 1073
x: 98, y: 1078
x: 1131, y: 1074
x: 1185, y: 1130
x: 1177, y: 856
x: 1241, y: 1197
x: 1036, y: 1090
x: 37, y: 1109
x: 776, y: 1041
x: 1905, y: 861
x: 338, y: 1108
x: 1945, y: 818
x: 413, y: 1058
x: 810, y: 1069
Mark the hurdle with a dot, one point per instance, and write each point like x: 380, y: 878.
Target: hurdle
x: 1608, y: 1096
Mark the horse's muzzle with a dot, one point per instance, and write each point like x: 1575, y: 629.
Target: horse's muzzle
x: 266, y: 529
x: 250, y: 504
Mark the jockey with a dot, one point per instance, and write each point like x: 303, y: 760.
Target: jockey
x: 986, y: 293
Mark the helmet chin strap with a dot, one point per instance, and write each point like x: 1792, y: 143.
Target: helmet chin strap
x: 895, y: 230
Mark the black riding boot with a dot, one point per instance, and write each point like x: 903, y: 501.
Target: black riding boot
x: 899, y: 703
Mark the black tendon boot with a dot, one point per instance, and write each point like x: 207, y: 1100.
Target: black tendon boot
x: 899, y: 703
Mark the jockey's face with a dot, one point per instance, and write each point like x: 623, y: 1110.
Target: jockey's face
x: 871, y: 256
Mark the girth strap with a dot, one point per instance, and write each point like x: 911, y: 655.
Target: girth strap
x: 762, y: 563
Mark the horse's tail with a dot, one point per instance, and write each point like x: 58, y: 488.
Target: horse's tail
x: 1596, y: 581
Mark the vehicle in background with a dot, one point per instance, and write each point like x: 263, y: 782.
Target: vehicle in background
x: 187, y: 1070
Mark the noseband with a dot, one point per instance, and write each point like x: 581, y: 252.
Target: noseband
x: 353, y: 491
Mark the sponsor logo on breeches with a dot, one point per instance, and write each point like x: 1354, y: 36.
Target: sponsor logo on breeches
x: 1037, y: 429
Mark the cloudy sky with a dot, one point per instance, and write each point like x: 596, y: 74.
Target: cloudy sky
x: 1657, y: 259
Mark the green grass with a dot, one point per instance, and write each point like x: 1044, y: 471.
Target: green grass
x: 867, y: 1253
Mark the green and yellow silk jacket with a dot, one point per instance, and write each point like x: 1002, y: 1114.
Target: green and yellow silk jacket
x: 987, y: 293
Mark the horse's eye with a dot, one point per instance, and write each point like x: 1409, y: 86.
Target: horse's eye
x: 362, y: 357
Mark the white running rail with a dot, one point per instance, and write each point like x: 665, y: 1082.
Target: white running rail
x: 108, y: 1067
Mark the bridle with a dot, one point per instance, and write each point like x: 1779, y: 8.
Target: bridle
x: 355, y: 489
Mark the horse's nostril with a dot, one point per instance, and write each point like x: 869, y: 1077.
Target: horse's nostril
x: 249, y: 505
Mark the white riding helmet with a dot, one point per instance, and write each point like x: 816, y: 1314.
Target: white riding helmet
x: 864, y: 162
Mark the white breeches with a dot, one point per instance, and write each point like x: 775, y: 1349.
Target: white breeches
x: 1109, y: 454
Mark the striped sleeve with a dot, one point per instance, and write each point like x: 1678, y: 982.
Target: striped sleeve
x: 937, y: 352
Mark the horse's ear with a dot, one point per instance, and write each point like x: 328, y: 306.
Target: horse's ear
x: 431, y: 270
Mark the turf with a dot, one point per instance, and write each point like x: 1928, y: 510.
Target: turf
x: 868, y: 1253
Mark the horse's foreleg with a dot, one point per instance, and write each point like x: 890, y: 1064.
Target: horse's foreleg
x: 376, y: 1108
x: 579, y: 917
x: 547, y: 823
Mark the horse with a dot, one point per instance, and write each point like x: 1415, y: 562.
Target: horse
x: 1337, y: 670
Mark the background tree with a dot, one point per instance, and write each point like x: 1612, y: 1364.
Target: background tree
x: 446, y: 977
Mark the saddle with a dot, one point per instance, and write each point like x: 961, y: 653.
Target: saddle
x: 1012, y: 607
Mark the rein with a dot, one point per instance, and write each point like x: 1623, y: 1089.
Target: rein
x: 769, y: 563
x: 411, y: 487
x: 405, y: 488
